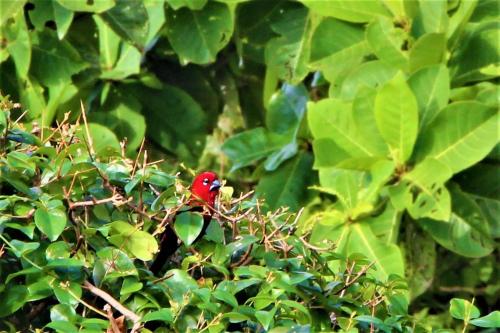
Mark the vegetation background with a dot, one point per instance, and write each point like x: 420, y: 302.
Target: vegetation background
x: 374, y: 122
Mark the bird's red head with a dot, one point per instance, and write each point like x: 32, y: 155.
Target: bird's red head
x: 205, y: 188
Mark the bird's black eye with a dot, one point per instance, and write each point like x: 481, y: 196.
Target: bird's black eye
x: 205, y: 181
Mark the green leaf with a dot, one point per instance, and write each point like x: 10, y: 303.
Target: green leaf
x: 369, y: 74
x: 129, y: 19
x: 461, y: 135
x: 64, y: 291
x: 130, y: 285
x: 463, y: 309
x: 285, y: 186
x: 95, y: 6
x: 386, y: 41
x: 103, y: 140
x: 431, y: 86
x: 56, y: 61
x: 188, y: 226
x: 51, y: 10
x: 179, y: 285
x: 50, y: 222
x: 125, y: 121
x: 352, y: 11
x: 10, y: 8
x: 429, y: 197
x: 289, y: 53
x: 112, y: 263
x: 165, y: 315
x: 420, y: 256
x: 466, y: 63
x: 396, y: 115
x: 18, y: 43
x: 21, y: 248
x: 466, y: 232
x: 332, y: 119
x: 191, y: 4
x: 214, y: 232
x: 490, y: 320
x: 429, y: 50
x: 250, y: 146
x: 139, y: 243
x: 174, y: 119
x: 431, y: 17
x: 225, y: 297
x: 208, y: 31
x: 13, y: 298
x: 265, y: 317
x: 63, y: 312
x: 331, y: 29
x: 364, y: 120
x: 285, y: 112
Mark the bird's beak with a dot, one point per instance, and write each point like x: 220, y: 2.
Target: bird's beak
x: 215, y: 185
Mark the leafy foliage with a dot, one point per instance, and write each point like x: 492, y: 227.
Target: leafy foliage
x: 379, y: 118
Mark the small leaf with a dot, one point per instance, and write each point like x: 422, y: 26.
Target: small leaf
x: 491, y: 320
x: 165, y: 315
x: 188, y: 226
x: 463, y: 309
x: 50, y: 221
x: 13, y: 298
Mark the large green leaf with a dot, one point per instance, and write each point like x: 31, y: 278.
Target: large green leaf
x: 466, y: 232
x: 18, y: 43
x: 332, y: 119
x: 188, y: 226
x: 51, y: 10
x: 345, y: 35
x: 129, y: 19
x: 387, y: 257
x: 10, y: 8
x: 491, y: 320
x: 125, y: 121
x: 431, y: 86
x: 103, y: 140
x: 422, y: 191
x: 51, y: 222
x: 428, y: 50
x: 352, y: 11
x: 466, y: 64
x: 250, y: 146
x: 285, y: 112
x: 56, y: 61
x: 174, y: 120
x: 431, y: 17
x: 289, y: 54
x: 461, y: 135
x: 208, y: 30
x: 396, y: 115
x: 386, y: 42
x: 286, y: 186
x: 364, y: 119
x: 369, y: 74
x: 482, y: 183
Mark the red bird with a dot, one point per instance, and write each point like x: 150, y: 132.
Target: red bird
x: 204, y: 191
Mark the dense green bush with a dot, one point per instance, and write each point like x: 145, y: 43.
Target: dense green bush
x: 380, y: 117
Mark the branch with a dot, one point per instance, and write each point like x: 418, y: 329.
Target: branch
x: 111, y: 301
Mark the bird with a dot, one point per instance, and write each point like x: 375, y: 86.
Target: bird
x: 204, y: 191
